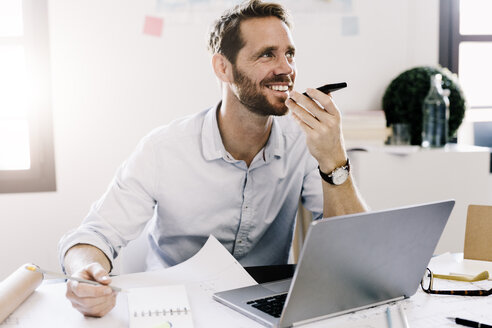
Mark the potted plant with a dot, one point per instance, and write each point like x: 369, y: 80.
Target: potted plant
x: 403, y: 99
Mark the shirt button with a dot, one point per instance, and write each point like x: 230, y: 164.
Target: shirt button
x: 239, y: 241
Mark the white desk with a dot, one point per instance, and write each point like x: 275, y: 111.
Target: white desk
x: 47, y: 307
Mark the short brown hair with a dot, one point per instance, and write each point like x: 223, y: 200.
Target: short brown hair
x: 225, y: 36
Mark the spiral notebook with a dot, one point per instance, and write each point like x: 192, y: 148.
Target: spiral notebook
x: 159, y: 307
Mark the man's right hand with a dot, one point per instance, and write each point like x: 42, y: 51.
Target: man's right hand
x: 91, y: 300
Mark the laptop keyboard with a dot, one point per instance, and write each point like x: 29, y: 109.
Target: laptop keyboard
x: 272, y: 305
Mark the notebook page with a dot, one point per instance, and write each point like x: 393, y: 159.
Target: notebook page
x: 159, y: 307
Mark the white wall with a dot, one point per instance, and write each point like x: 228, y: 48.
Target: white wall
x: 112, y: 84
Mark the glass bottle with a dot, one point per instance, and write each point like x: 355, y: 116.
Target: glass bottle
x: 435, y: 114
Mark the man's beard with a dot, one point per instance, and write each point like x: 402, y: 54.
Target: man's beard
x: 253, y: 99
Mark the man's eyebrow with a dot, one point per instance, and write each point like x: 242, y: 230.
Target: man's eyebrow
x: 271, y: 49
x: 291, y: 49
x: 264, y: 50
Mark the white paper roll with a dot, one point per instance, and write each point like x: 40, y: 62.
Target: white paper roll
x: 16, y: 288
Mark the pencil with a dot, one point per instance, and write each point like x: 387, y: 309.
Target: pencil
x: 64, y: 276
x: 388, y: 317
x: 403, y: 316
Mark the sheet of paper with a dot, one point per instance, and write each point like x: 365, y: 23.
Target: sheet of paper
x: 455, y: 264
x: 425, y: 310
x: 422, y: 311
x: 212, y: 269
x: 370, y: 318
x: 48, y: 307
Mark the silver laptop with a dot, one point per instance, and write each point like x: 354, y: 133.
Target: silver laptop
x: 348, y: 263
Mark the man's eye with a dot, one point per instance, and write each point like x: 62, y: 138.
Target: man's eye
x: 290, y: 55
x: 267, y: 55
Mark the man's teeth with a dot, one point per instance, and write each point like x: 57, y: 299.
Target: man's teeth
x: 279, y: 87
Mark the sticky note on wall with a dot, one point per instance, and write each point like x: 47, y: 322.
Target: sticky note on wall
x: 153, y: 26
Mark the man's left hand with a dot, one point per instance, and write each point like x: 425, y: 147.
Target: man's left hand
x: 322, y: 124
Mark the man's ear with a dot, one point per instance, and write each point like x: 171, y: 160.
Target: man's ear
x: 222, y: 68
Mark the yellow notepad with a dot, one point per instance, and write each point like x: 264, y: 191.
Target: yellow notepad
x: 159, y: 307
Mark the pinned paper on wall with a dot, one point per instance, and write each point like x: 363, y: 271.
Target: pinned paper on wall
x: 350, y: 25
x: 153, y: 26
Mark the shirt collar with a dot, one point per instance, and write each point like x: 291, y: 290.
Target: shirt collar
x: 275, y: 144
x: 213, y: 148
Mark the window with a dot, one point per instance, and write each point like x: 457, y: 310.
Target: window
x: 466, y: 48
x: 26, y: 141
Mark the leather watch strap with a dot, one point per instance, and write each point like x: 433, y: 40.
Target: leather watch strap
x: 329, y: 177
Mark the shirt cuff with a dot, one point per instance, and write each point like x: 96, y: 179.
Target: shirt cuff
x: 81, y: 236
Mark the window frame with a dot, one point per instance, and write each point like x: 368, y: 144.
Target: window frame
x: 450, y: 37
x: 41, y: 175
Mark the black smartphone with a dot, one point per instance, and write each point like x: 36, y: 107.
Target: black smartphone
x: 327, y: 88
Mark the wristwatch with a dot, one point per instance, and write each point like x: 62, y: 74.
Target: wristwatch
x: 338, y: 176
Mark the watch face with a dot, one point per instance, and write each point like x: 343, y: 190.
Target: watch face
x: 340, y: 175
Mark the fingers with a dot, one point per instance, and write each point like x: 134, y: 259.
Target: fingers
x: 324, y: 104
x: 320, y: 120
x: 325, y: 100
x: 81, y: 289
x: 301, y: 123
x: 301, y: 115
x: 92, y: 306
x: 91, y: 300
x: 98, y: 273
x: 311, y: 113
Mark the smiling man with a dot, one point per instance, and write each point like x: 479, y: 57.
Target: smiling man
x: 235, y: 171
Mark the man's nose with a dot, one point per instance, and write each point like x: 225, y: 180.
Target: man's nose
x: 284, y: 66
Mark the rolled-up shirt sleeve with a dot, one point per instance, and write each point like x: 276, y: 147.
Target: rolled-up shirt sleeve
x: 123, y: 211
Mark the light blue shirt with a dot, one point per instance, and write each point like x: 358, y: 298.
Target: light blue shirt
x: 183, y: 174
